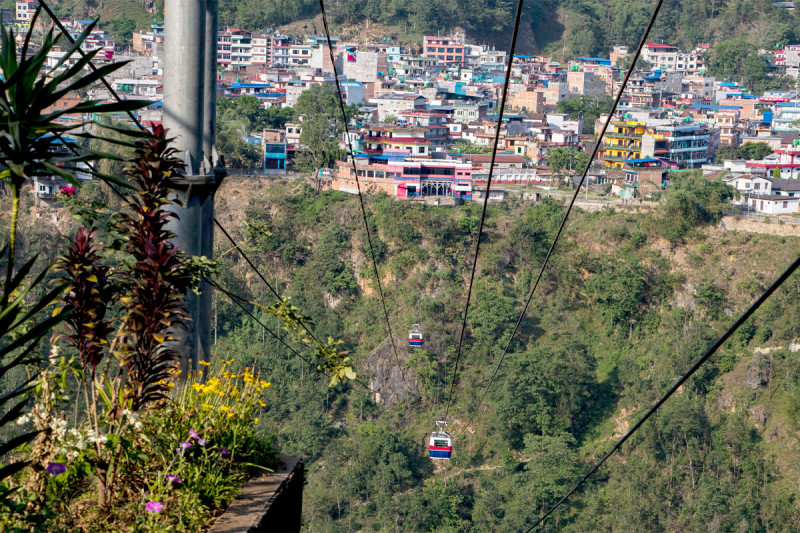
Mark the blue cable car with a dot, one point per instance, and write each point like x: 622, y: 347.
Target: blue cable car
x: 441, y: 444
x: 415, y: 337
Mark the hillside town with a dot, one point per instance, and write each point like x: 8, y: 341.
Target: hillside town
x: 427, y: 114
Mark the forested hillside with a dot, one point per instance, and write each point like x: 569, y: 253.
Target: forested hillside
x: 562, y: 27
x: 629, y: 303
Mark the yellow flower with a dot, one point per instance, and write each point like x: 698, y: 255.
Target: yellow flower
x: 223, y: 408
x: 230, y: 415
x: 171, y: 385
x: 198, y: 387
x: 255, y: 421
x: 262, y: 404
x: 265, y: 384
x: 205, y: 363
x: 207, y: 406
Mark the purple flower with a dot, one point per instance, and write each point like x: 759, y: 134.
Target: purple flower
x: 173, y: 480
x: 185, y: 445
x: 153, y: 507
x: 193, y: 434
x: 55, y: 469
x: 223, y: 451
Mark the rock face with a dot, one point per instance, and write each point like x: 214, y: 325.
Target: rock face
x: 392, y: 383
x: 758, y: 373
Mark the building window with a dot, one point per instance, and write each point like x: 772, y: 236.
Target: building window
x: 785, y: 205
x: 756, y: 186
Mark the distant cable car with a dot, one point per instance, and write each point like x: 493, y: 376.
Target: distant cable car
x: 415, y: 337
x: 441, y: 442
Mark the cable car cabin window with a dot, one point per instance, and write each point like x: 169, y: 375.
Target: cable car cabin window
x: 440, y: 443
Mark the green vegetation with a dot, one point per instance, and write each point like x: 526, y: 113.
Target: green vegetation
x: 620, y: 315
x: 588, y: 108
x: 237, y: 119
x: 570, y: 159
x: 748, y: 151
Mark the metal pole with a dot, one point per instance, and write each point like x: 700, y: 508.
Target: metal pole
x: 190, y: 116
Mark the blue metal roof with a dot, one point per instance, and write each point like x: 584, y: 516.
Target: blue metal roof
x: 236, y: 85
x: 767, y: 117
x: 644, y: 160
x: 599, y: 60
x: 710, y: 106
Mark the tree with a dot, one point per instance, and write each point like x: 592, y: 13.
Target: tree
x: 749, y: 151
x: 690, y: 202
x: 738, y: 59
x: 463, y: 146
x: 318, y: 108
x: 588, y: 108
x: 567, y: 158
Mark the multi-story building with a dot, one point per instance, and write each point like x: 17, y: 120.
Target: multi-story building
x: 447, y: 50
x: 786, y: 118
x: 408, y: 140
x: 672, y: 59
x: 787, y: 163
x: 262, y: 50
x: 687, y: 145
x: 224, y: 49
x: 409, y: 179
x: 25, y: 10
x: 241, y: 48
x: 623, y: 142
x: 727, y: 120
x: 148, y: 43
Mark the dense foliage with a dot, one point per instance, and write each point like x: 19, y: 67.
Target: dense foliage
x: 621, y: 314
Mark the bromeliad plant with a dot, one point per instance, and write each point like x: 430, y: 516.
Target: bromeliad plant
x: 147, y: 290
x: 32, y: 145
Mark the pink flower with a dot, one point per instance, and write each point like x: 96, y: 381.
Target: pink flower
x: 173, y: 480
x: 67, y: 190
x: 153, y: 507
x: 194, y: 435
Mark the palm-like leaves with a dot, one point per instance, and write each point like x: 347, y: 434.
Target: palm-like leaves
x: 20, y: 334
x: 29, y: 134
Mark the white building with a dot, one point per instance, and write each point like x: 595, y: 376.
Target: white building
x: 25, y: 10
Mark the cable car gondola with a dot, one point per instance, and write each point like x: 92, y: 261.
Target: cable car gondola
x: 415, y: 337
x: 441, y: 445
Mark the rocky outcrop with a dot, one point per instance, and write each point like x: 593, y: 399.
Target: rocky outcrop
x: 391, y: 382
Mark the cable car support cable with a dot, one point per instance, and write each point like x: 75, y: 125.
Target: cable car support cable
x: 571, y: 204
x: 485, y: 203
x: 238, y: 300
x: 358, y: 186
x: 141, y: 127
x: 725, y: 336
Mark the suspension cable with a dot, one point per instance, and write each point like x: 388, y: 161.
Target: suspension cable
x: 714, y: 347
x: 142, y: 128
x: 358, y: 186
x: 628, y: 73
x: 485, y: 204
x: 239, y: 301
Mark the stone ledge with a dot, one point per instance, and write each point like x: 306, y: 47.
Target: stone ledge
x: 271, y: 503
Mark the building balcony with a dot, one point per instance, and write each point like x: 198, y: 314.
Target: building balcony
x: 629, y: 148
x: 612, y: 135
x: 688, y: 138
x: 621, y: 159
x: 688, y: 149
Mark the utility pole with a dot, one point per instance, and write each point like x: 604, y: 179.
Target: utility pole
x: 190, y: 83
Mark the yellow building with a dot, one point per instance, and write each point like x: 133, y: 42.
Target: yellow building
x: 623, y: 142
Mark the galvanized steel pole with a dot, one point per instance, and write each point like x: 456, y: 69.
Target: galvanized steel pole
x: 190, y: 81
